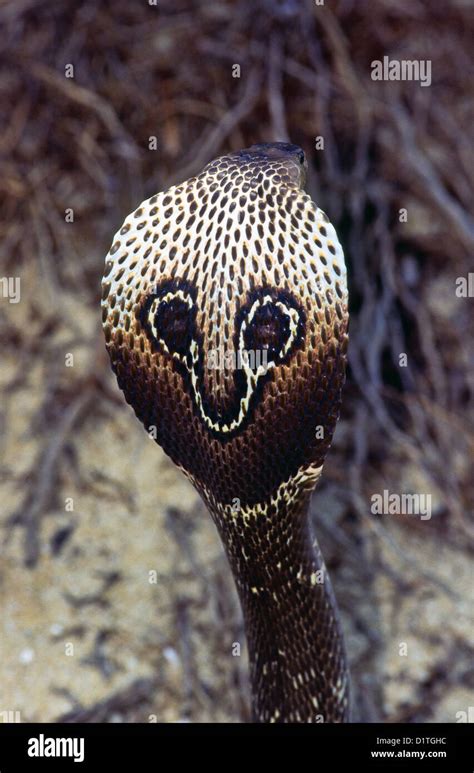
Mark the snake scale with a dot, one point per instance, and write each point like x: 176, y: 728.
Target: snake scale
x: 225, y: 315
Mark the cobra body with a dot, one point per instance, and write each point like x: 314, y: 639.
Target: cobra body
x: 225, y: 317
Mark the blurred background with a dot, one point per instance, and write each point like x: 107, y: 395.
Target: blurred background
x: 116, y: 601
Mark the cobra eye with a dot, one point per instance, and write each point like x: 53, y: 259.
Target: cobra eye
x: 268, y: 329
x: 172, y: 323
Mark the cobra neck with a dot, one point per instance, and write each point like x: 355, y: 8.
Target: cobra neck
x: 298, y: 667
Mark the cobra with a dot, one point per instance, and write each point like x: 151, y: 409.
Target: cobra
x: 239, y: 261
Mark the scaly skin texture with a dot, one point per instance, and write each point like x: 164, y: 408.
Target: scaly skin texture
x: 239, y: 259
